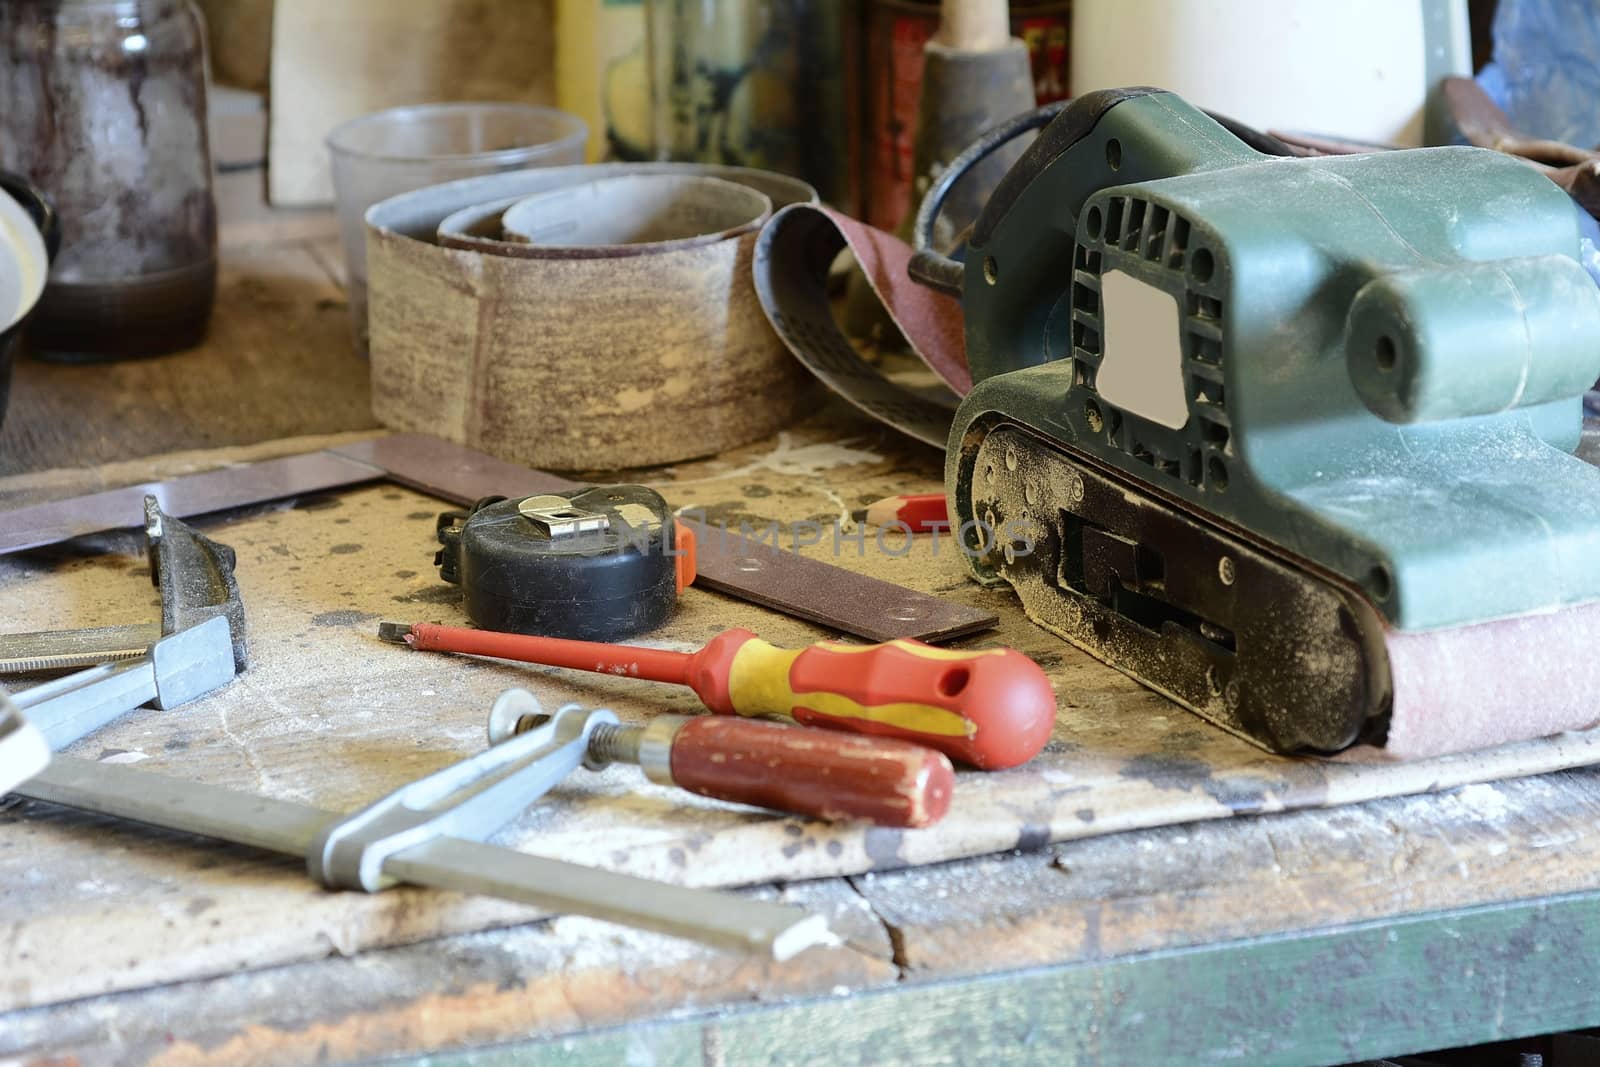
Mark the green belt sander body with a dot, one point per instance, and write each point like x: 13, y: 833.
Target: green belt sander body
x: 1289, y: 440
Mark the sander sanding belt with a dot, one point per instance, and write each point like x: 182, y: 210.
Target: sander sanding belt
x: 794, y: 254
x: 1454, y: 690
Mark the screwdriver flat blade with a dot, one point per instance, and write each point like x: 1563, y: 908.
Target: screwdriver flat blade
x: 449, y: 863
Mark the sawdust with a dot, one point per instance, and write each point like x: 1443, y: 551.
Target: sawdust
x: 791, y: 460
x: 1482, y: 799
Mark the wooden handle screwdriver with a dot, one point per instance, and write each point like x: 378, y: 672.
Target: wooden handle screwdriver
x: 820, y: 773
x: 992, y: 708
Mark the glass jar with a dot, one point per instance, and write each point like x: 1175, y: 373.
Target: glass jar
x: 755, y: 83
x: 104, y: 108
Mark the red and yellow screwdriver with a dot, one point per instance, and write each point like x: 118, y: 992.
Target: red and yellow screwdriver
x: 992, y: 708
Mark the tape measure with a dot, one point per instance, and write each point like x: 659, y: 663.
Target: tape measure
x: 594, y: 564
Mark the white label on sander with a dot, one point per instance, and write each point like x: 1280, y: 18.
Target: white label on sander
x: 1141, y: 369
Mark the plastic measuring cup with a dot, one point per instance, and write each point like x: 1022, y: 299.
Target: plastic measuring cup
x: 404, y: 148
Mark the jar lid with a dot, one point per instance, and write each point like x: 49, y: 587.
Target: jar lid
x: 24, y: 262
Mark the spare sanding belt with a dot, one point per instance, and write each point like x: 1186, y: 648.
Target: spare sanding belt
x: 794, y: 254
x: 726, y: 562
x: 581, y: 318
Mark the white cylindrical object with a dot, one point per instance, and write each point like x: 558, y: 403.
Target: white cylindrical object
x: 1359, y: 69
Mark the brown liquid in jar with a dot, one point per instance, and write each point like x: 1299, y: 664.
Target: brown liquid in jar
x: 105, y: 110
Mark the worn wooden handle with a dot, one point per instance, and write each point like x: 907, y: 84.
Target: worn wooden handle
x: 822, y: 773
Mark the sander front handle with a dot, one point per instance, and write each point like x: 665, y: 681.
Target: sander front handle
x: 928, y: 266
x: 937, y: 271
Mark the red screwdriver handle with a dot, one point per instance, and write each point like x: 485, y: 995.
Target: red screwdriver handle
x: 992, y: 708
x: 812, y: 772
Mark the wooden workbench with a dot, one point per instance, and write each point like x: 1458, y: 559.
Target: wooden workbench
x: 1310, y: 937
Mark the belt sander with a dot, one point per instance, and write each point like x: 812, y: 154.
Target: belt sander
x: 1288, y: 440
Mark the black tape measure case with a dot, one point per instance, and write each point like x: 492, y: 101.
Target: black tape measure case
x: 593, y: 564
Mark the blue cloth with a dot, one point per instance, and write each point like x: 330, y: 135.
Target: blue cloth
x: 1546, y: 69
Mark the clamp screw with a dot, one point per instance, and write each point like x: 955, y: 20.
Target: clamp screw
x: 1225, y: 570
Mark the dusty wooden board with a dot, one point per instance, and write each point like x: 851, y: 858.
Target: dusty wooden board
x: 565, y: 976
x: 329, y: 716
x: 1076, y: 903
x: 276, y: 363
x: 337, y: 61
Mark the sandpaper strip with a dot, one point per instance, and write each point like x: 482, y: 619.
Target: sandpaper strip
x: 607, y: 356
x: 1473, y: 687
x: 183, y: 497
x: 793, y: 256
x: 727, y: 562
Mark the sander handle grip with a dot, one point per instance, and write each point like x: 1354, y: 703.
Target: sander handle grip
x: 928, y: 266
x: 943, y: 273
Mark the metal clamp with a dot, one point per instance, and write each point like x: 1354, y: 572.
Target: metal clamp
x: 204, y: 646
x: 195, y: 576
x: 23, y: 750
x: 176, y: 670
x: 470, y: 800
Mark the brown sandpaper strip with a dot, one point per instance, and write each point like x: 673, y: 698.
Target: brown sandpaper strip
x: 793, y: 256
x: 726, y: 562
x: 1477, y: 686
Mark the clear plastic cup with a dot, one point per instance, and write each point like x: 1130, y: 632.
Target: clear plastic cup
x: 405, y: 148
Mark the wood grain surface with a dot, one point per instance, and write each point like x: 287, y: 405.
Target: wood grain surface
x: 1157, y: 890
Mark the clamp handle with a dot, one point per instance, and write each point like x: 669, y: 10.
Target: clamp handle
x: 469, y: 800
